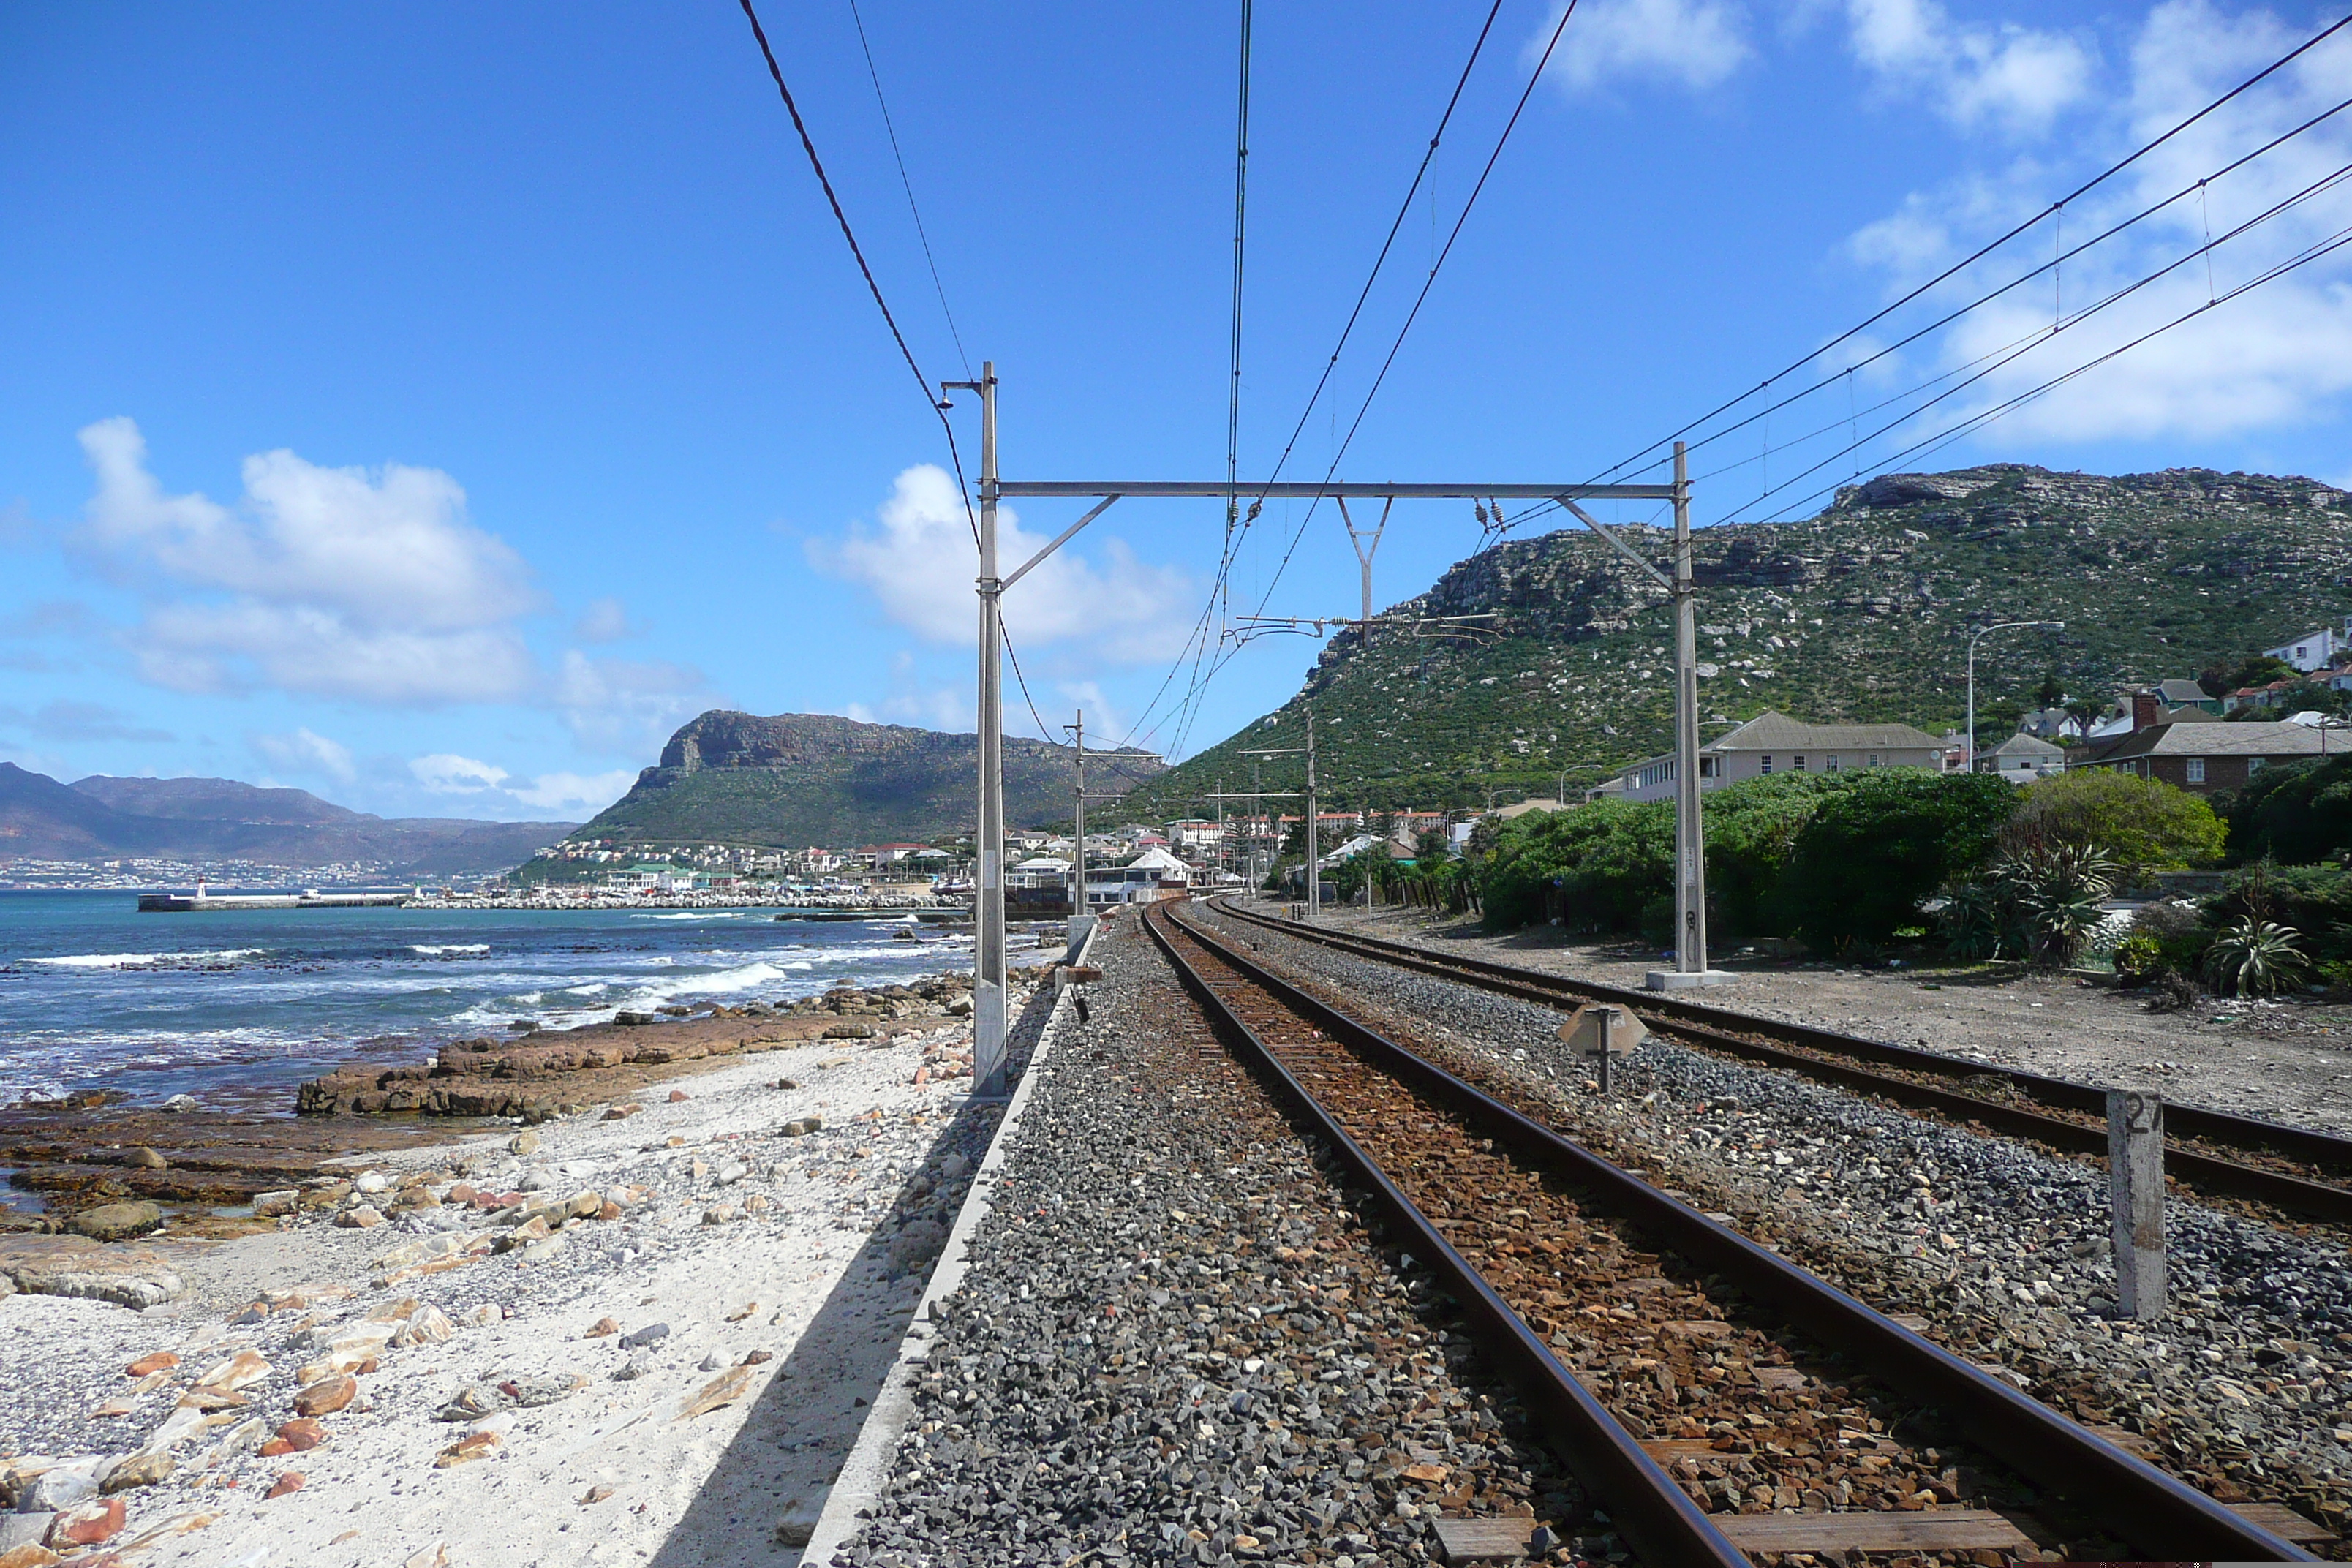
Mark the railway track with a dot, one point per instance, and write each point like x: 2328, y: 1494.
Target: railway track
x: 2291, y: 1169
x: 1684, y: 1371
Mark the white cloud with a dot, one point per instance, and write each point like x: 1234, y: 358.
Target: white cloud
x: 604, y: 620
x: 588, y: 792
x: 2013, y: 78
x: 1695, y: 43
x: 920, y: 564
x: 623, y: 705
x: 337, y: 582
x: 2272, y: 358
x: 951, y: 708
x: 445, y: 772
x: 1103, y: 725
x: 305, y: 752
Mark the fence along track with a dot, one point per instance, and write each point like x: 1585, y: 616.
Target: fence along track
x: 2221, y: 1167
x: 1307, y: 1046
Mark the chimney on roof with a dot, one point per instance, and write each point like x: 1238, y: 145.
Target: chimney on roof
x: 2148, y: 709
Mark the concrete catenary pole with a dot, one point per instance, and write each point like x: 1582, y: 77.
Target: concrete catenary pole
x: 1081, y: 916
x: 988, y: 967
x: 1690, y: 834
x: 1314, y: 872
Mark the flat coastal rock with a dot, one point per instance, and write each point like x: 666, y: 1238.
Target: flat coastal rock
x: 135, y: 1277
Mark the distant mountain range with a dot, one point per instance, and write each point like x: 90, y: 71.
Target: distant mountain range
x: 1859, y: 614
x: 104, y: 818
x: 801, y: 779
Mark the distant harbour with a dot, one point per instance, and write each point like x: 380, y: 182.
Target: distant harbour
x: 194, y: 903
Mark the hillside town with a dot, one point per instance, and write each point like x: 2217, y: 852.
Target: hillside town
x: 2285, y: 703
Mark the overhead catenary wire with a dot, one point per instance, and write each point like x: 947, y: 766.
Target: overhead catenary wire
x: 1188, y: 704
x: 908, y: 185
x: 808, y: 145
x: 2311, y: 253
x: 2110, y: 172
x: 1233, y: 374
x: 1535, y: 78
x: 2325, y: 183
x: 2196, y: 188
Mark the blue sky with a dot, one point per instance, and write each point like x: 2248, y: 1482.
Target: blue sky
x: 434, y: 406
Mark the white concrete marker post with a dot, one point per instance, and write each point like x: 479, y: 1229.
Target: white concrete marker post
x: 2136, y: 1199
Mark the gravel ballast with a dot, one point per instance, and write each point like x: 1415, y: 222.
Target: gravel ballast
x: 2245, y: 1388
x: 1179, y: 1342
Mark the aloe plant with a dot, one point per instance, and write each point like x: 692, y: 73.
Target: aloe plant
x: 2254, y: 958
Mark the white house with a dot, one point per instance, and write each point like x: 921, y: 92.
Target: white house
x: 1775, y: 743
x: 1152, y: 875
x: 2314, y: 650
x: 646, y: 879
x: 2022, y: 758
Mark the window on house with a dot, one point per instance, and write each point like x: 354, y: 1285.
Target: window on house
x: 1798, y: 761
x: 1874, y: 760
x: 2253, y: 767
x: 2196, y: 770
x: 1768, y: 763
x: 1831, y: 763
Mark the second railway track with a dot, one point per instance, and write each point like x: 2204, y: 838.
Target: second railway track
x: 2291, y: 1169
x: 1737, y: 1403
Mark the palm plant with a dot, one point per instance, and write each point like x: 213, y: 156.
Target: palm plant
x: 1971, y: 921
x: 2061, y: 889
x: 2254, y: 958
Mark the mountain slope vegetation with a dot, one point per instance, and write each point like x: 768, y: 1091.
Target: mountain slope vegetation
x: 799, y: 779
x: 1859, y: 614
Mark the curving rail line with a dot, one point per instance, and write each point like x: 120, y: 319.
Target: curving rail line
x: 2212, y: 1150
x: 1290, y: 1035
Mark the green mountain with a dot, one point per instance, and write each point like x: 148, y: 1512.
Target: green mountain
x: 801, y: 779
x: 1858, y: 613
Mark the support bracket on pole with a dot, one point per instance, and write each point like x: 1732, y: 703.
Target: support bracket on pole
x: 1627, y: 551
x: 1059, y: 540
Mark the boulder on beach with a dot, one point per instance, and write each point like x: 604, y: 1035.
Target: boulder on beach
x: 117, y: 1221
x: 134, y: 1277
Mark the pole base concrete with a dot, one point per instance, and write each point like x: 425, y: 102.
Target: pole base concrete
x: 1686, y: 980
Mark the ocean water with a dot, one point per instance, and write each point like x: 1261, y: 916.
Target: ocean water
x: 237, y: 1007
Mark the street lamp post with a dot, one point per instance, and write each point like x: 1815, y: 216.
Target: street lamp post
x: 1986, y: 631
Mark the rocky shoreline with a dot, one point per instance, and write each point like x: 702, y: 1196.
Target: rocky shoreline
x: 644, y: 1326
x: 111, y: 1170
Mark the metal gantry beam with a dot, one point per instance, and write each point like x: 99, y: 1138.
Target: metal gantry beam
x: 1307, y: 490
x: 988, y: 969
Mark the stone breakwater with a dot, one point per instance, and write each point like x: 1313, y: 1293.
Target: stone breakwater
x: 538, y: 1074
x: 640, y: 1333
x: 877, y: 903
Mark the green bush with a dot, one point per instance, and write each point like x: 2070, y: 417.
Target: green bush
x: 1751, y: 826
x: 1882, y: 845
x: 2143, y: 825
x: 2139, y: 957
x: 1597, y: 864
x: 2297, y: 813
x: 2313, y: 902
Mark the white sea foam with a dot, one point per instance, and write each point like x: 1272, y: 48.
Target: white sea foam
x: 145, y: 959
x: 438, y: 949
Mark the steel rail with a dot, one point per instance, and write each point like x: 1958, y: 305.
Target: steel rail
x: 2139, y: 1504
x: 1660, y: 1520
x: 1712, y: 1027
